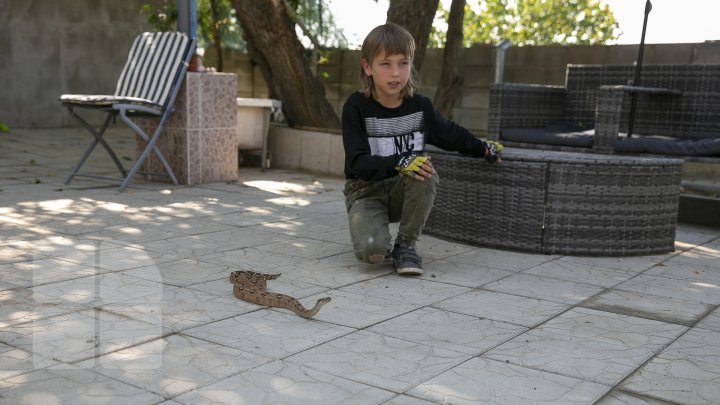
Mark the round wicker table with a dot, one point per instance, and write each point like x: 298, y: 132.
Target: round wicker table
x: 558, y: 202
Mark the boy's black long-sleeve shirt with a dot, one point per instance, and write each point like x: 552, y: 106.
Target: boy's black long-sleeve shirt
x: 374, y: 136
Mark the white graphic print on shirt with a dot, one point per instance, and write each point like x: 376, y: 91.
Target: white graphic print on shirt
x: 388, y: 136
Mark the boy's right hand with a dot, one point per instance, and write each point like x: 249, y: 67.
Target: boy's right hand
x: 415, y: 165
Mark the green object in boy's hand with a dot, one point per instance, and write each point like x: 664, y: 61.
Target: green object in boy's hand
x: 410, y: 163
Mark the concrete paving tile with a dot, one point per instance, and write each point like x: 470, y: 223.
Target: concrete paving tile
x: 648, y: 306
x: 359, y: 311
x: 306, y: 206
x: 448, y: 330
x: 514, y: 309
x: 247, y: 217
x: 698, y: 259
x: 101, y: 289
x: 173, y: 365
x: 182, y: 308
x: 431, y: 248
x: 504, y: 260
x: 581, y: 273
x: 15, y: 361
x: 53, y: 245
x: 711, y: 321
x: 587, y: 344
x: 410, y: 290
x: 612, y: 328
x: 268, y: 333
x: 111, y: 258
x: 468, y: 275
x: 379, y: 360
x: 18, y: 233
x: 685, y: 372
x: 255, y: 259
x: 152, y: 231
x: 685, y: 290
x: 341, y: 236
x: 42, y: 271
x: 688, y: 236
x: 9, y: 254
x: 618, y: 397
x: 407, y: 400
x: 183, y: 272
x: 334, y: 271
x: 79, y: 335
x: 78, y: 225
x: 284, y: 383
x: 546, y: 288
x: 311, y: 224
x: 19, y: 305
x: 486, y: 381
x: 628, y: 263
x: 212, y: 229
x: 306, y: 248
x: 195, y: 246
x: 65, y: 384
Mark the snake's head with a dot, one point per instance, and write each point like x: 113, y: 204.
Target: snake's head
x: 323, y: 301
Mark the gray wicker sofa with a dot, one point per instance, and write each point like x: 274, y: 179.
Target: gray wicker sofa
x: 678, y: 111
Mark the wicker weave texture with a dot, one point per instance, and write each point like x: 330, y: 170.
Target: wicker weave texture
x: 558, y: 202
x: 691, y: 112
x: 490, y: 205
x: 605, y: 209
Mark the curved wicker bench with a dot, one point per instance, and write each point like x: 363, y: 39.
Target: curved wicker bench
x: 558, y: 202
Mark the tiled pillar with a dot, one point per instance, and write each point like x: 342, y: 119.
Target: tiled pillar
x: 200, y: 140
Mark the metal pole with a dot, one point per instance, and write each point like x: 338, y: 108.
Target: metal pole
x: 187, y: 22
x: 500, y: 50
x: 638, y: 68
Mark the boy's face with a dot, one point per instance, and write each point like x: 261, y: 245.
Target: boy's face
x: 390, y: 74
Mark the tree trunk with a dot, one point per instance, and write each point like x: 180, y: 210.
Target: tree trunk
x: 274, y: 46
x: 450, y: 83
x: 416, y: 16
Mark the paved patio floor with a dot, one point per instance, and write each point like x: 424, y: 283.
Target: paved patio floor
x: 124, y: 298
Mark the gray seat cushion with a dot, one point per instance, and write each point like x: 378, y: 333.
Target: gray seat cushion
x: 561, y: 135
x: 663, y: 145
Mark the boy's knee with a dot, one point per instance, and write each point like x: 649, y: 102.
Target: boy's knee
x: 371, y: 250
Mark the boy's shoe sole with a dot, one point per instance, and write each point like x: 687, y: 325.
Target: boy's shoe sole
x: 409, y: 271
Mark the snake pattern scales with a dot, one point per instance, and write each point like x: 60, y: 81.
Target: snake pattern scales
x: 250, y: 286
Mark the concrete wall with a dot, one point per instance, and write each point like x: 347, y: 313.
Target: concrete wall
x: 51, y: 47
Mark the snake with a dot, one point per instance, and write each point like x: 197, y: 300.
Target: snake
x: 251, y: 287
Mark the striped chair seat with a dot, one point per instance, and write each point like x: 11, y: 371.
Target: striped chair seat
x: 104, y: 100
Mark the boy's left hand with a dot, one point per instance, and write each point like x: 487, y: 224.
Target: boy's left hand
x: 492, y: 152
x: 426, y: 170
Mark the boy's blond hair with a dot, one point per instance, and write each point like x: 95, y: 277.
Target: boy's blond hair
x: 387, y: 39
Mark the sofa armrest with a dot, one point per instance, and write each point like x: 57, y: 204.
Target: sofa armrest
x: 524, y: 106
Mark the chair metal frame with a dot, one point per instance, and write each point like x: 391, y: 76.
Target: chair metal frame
x: 126, y: 107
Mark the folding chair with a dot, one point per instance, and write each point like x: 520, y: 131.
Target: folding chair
x: 148, y: 86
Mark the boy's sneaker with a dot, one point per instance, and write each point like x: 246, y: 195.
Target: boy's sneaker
x: 406, y: 260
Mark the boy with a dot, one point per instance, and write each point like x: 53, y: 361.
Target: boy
x: 385, y: 128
